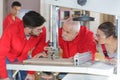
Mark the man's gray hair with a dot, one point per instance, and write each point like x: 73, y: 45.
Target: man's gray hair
x: 74, y: 24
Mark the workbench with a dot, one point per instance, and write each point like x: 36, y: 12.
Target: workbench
x: 96, y: 68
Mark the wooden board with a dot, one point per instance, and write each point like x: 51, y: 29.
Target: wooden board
x: 49, y: 61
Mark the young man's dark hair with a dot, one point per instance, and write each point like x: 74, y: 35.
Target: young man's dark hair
x: 16, y: 3
x: 33, y: 19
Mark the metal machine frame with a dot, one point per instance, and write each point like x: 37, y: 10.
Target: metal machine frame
x: 91, y: 5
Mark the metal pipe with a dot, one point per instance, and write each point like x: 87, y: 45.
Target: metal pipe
x: 50, y: 24
x: 53, y: 32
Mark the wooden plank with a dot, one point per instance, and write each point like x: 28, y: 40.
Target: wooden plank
x: 48, y: 61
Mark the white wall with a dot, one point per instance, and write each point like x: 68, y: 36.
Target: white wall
x: 94, y: 24
x: 1, y: 16
x: 44, y: 10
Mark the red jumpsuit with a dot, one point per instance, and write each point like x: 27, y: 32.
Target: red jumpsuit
x: 14, y: 45
x: 83, y: 42
x: 9, y: 20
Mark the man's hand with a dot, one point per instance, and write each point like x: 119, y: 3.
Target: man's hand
x: 41, y: 55
x: 30, y: 77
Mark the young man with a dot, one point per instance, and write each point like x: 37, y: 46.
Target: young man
x: 12, y: 17
x: 19, y: 39
x: 107, y: 42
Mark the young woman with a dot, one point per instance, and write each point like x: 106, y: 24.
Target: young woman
x: 108, y: 41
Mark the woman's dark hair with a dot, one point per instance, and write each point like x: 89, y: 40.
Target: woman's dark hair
x: 33, y: 19
x: 108, y: 28
x: 16, y: 3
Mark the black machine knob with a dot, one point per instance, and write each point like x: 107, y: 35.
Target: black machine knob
x: 81, y: 2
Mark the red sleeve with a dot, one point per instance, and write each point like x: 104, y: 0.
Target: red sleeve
x: 5, y: 23
x: 88, y: 42
x: 41, y: 44
x: 4, y: 49
x: 60, y: 38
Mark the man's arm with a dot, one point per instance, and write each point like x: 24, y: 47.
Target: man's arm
x: 87, y: 42
x: 39, y: 48
x: 4, y: 49
x: 5, y: 23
